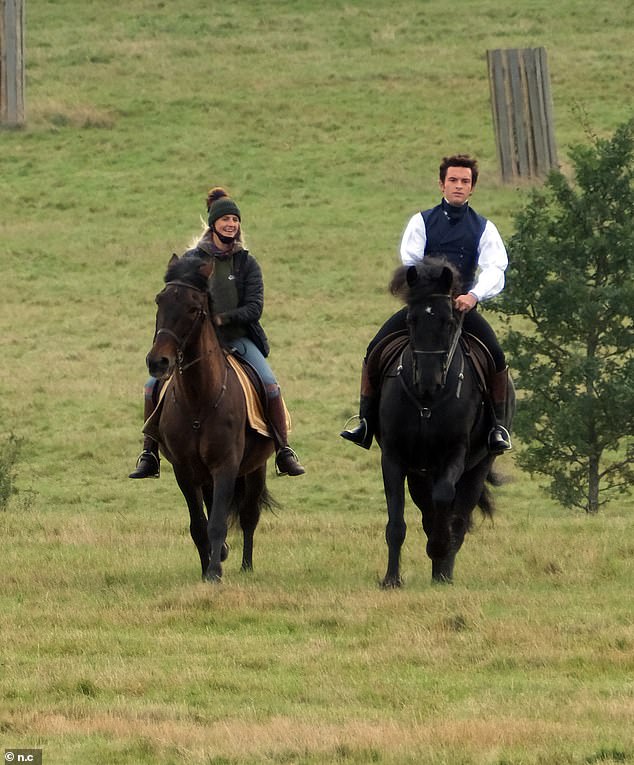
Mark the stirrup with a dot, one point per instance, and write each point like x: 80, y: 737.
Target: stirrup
x: 292, y: 466
x: 499, y: 440
x: 361, y: 435
x: 146, y: 467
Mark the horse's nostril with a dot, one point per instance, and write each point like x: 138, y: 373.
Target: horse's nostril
x: 158, y: 367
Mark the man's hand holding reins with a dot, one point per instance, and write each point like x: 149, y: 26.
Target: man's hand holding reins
x: 465, y: 302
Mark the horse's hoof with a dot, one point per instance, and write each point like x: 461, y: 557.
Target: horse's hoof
x: 213, y: 576
x: 391, y: 582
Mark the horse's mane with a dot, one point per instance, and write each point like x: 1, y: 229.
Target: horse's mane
x: 187, y: 269
x: 429, y: 273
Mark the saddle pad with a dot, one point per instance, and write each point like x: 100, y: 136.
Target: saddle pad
x: 384, y: 355
x: 255, y: 411
x: 480, y: 357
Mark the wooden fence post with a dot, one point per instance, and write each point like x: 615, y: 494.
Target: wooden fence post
x: 522, y: 112
x: 12, y: 62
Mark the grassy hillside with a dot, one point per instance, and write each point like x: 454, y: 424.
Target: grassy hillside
x: 327, y: 122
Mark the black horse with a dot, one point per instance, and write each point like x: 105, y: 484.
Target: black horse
x: 433, y: 423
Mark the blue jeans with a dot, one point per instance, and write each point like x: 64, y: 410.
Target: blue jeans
x: 246, y: 349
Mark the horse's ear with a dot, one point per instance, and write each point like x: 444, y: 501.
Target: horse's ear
x: 446, y: 279
x: 172, y: 260
x: 206, y: 269
x: 411, y: 276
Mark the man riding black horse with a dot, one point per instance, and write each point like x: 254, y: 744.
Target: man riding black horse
x: 474, y: 246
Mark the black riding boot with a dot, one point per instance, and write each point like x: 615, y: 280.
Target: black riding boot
x: 499, y: 437
x: 364, y: 432
x: 148, y: 465
x: 286, y: 461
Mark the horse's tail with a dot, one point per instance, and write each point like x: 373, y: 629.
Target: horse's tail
x: 252, y: 502
x: 486, y: 502
x: 267, y: 500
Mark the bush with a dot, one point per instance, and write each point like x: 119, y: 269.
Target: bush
x: 9, y: 456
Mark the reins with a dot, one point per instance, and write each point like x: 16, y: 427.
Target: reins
x: 449, y: 353
x: 201, y: 314
x: 180, y: 344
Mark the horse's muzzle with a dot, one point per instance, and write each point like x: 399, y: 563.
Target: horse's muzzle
x: 159, y: 367
x: 427, y: 377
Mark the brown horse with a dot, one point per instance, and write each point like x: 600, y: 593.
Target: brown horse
x: 219, y: 462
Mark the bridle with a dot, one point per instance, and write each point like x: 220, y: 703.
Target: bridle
x: 448, y: 352
x: 201, y: 315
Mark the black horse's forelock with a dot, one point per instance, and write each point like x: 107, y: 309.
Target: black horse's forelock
x: 187, y: 269
x: 429, y: 272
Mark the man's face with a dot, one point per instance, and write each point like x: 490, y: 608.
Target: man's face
x: 457, y: 185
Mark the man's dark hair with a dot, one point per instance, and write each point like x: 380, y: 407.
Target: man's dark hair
x: 459, y: 160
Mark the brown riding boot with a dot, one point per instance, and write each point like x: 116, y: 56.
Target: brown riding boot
x: 148, y: 465
x: 499, y: 437
x: 286, y: 461
x: 364, y: 432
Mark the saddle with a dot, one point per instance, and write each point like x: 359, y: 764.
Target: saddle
x: 254, y: 398
x: 387, y: 351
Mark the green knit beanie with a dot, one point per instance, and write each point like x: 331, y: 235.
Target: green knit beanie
x: 222, y: 206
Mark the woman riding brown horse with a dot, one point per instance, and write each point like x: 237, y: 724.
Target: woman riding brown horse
x: 219, y: 462
x: 237, y: 290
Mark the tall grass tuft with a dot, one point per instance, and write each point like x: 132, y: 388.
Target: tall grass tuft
x: 10, y: 448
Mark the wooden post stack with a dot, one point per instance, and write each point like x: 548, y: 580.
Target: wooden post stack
x: 12, y: 62
x: 522, y: 112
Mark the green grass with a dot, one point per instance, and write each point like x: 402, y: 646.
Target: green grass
x: 327, y: 122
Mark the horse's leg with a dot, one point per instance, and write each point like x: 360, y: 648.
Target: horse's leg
x: 197, y: 520
x: 468, y: 492
x: 249, y: 510
x: 441, y: 537
x: 394, y: 486
x: 434, y: 517
x: 224, y: 484
x: 208, y: 497
x: 444, y: 490
x: 420, y: 488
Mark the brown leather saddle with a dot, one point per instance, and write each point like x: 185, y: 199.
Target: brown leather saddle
x: 385, y: 355
x: 254, y: 393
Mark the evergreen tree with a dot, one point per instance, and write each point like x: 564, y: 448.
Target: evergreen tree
x: 570, y: 281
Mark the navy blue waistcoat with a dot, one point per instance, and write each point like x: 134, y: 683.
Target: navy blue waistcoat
x: 455, y: 232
